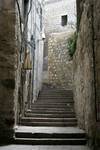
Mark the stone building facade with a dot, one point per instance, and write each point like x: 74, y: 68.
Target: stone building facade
x: 21, y: 44
x: 55, y: 10
x: 60, y: 19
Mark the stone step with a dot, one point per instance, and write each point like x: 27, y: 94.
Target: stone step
x: 53, y: 141
x: 48, y: 135
x: 29, y: 114
x: 52, y: 101
x: 56, y: 91
x: 52, y: 112
x: 56, y: 94
x: 51, y: 109
x: 49, y: 132
x: 67, y: 137
x: 52, y: 124
x: 56, y: 100
x: 52, y: 105
x: 36, y: 111
x: 44, y: 119
x: 55, y: 97
x: 41, y: 102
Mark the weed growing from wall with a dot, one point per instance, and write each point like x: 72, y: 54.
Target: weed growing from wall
x: 71, y: 44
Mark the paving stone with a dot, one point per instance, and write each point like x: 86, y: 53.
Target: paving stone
x: 49, y: 129
x: 26, y: 147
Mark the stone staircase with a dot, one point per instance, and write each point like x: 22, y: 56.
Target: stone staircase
x: 51, y: 121
x: 54, y: 107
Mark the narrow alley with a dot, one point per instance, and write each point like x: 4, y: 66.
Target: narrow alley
x: 49, y: 75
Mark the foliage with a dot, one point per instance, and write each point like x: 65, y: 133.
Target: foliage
x: 71, y: 44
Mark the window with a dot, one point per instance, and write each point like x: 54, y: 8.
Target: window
x: 64, y: 20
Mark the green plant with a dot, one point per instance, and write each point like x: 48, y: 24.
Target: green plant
x: 71, y: 44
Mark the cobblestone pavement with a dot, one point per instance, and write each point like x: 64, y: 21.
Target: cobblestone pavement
x: 29, y: 147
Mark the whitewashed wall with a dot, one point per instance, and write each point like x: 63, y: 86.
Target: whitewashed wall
x: 54, y: 9
x: 38, y: 59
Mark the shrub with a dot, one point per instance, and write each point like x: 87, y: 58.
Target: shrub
x: 71, y: 44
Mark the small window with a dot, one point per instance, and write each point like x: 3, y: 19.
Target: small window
x: 64, y: 20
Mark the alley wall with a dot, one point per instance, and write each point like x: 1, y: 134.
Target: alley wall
x: 86, y: 65
x: 8, y: 66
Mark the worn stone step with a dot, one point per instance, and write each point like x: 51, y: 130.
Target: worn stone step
x: 35, y: 119
x: 49, y: 135
x: 56, y: 100
x: 49, y: 132
x: 52, y: 105
x: 55, y: 96
x: 52, y: 111
x: 53, y: 124
x: 41, y: 102
x: 71, y: 115
x: 56, y: 91
x: 52, y: 95
x: 53, y: 141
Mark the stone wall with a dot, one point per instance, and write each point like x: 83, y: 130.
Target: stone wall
x: 80, y: 4
x: 59, y: 64
x: 84, y: 91
x: 97, y: 53
x: 96, y: 28
x: 13, y: 76
x: 54, y: 10
x: 7, y: 68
